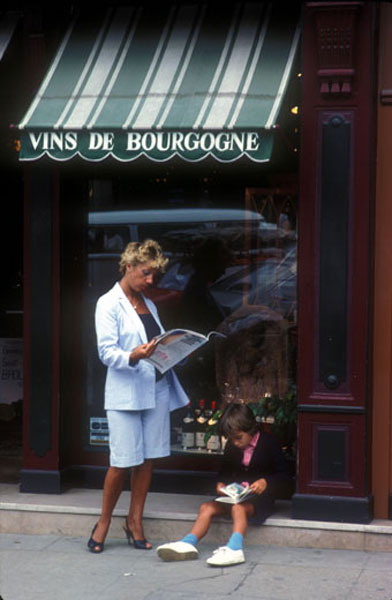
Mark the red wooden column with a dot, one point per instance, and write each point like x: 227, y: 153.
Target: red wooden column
x: 382, y: 308
x: 335, y: 260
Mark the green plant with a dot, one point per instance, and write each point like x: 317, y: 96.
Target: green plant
x: 282, y: 413
x: 279, y: 412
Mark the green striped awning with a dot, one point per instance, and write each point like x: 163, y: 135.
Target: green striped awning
x: 172, y: 80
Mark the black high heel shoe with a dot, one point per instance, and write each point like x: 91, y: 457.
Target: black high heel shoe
x: 138, y: 544
x: 93, y: 546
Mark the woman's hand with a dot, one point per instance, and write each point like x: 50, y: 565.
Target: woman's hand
x: 258, y: 486
x: 142, y: 351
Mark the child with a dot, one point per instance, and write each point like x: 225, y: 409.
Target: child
x: 250, y: 456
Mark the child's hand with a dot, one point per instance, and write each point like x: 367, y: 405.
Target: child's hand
x: 219, y: 487
x: 258, y: 486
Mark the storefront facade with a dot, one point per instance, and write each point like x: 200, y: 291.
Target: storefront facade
x: 245, y: 148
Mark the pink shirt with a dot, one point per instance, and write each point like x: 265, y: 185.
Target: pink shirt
x: 248, y: 452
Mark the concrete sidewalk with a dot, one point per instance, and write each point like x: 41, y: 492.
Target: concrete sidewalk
x: 53, y: 567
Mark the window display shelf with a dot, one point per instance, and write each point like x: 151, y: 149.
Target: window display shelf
x: 178, y: 449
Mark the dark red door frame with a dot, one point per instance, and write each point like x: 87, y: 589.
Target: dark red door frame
x: 335, y: 260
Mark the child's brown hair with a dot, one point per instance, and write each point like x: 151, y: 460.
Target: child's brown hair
x: 237, y: 417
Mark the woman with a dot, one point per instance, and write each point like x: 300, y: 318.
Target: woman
x: 138, y: 400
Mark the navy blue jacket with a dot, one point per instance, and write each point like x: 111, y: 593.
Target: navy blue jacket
x: 267, y: 462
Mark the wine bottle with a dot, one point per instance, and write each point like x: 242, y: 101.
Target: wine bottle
x: 213, y: 442
x: 209, y: 411
x: 188, y: 429
x: 201, y: 426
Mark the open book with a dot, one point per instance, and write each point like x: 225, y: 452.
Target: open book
x: 175, y: 345
x: 235, y: 493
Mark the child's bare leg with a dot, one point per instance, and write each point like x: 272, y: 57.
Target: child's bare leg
x: 207, y: 511
x: 185, y: 549
x: 232, y: 553
x: 240, y: 514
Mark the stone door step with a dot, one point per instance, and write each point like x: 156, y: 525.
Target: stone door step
x: 168, y: 517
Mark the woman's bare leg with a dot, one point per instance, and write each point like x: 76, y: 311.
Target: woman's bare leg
x: 112, y: 489
x: 140, y: 484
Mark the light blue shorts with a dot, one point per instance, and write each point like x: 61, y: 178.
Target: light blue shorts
x: 136, y: 435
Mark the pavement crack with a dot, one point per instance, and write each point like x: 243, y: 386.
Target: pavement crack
x: 354, y: 584
x: 249, y: 571
x: 206, y: 578
x: 51, y: 543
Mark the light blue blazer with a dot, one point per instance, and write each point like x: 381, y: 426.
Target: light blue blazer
x: 119, y: 330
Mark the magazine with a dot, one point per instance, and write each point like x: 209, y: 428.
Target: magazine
x: 175, y: 345
x: 235, y: 493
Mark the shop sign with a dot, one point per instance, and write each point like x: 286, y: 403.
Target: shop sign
x: 99, y: 431
x: 11, y: 370
x: 224, y: 146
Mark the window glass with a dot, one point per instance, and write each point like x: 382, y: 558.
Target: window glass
x: 232, y: 268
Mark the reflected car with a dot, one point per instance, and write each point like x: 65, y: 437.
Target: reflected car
x: 179, y: 230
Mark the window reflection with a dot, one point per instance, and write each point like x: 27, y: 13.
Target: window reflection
x: 231, y: 270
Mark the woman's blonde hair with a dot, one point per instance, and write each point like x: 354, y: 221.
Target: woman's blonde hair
x: 139, y: 253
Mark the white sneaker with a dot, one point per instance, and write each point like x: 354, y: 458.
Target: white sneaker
x: 225, y: 556
x: 177, y: 551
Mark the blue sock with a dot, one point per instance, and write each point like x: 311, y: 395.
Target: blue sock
x: 235, y: 541
x: 190, y: 539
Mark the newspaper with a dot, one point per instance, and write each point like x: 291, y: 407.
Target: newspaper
x: 235, y: 493
x: 175, y: 345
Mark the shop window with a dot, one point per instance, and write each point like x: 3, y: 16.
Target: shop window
x: 233, y: 270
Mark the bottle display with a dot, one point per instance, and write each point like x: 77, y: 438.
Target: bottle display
x: 188, y: 430
x: 201, y: 426
x: 213, y: 442
x: 210, y: 411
